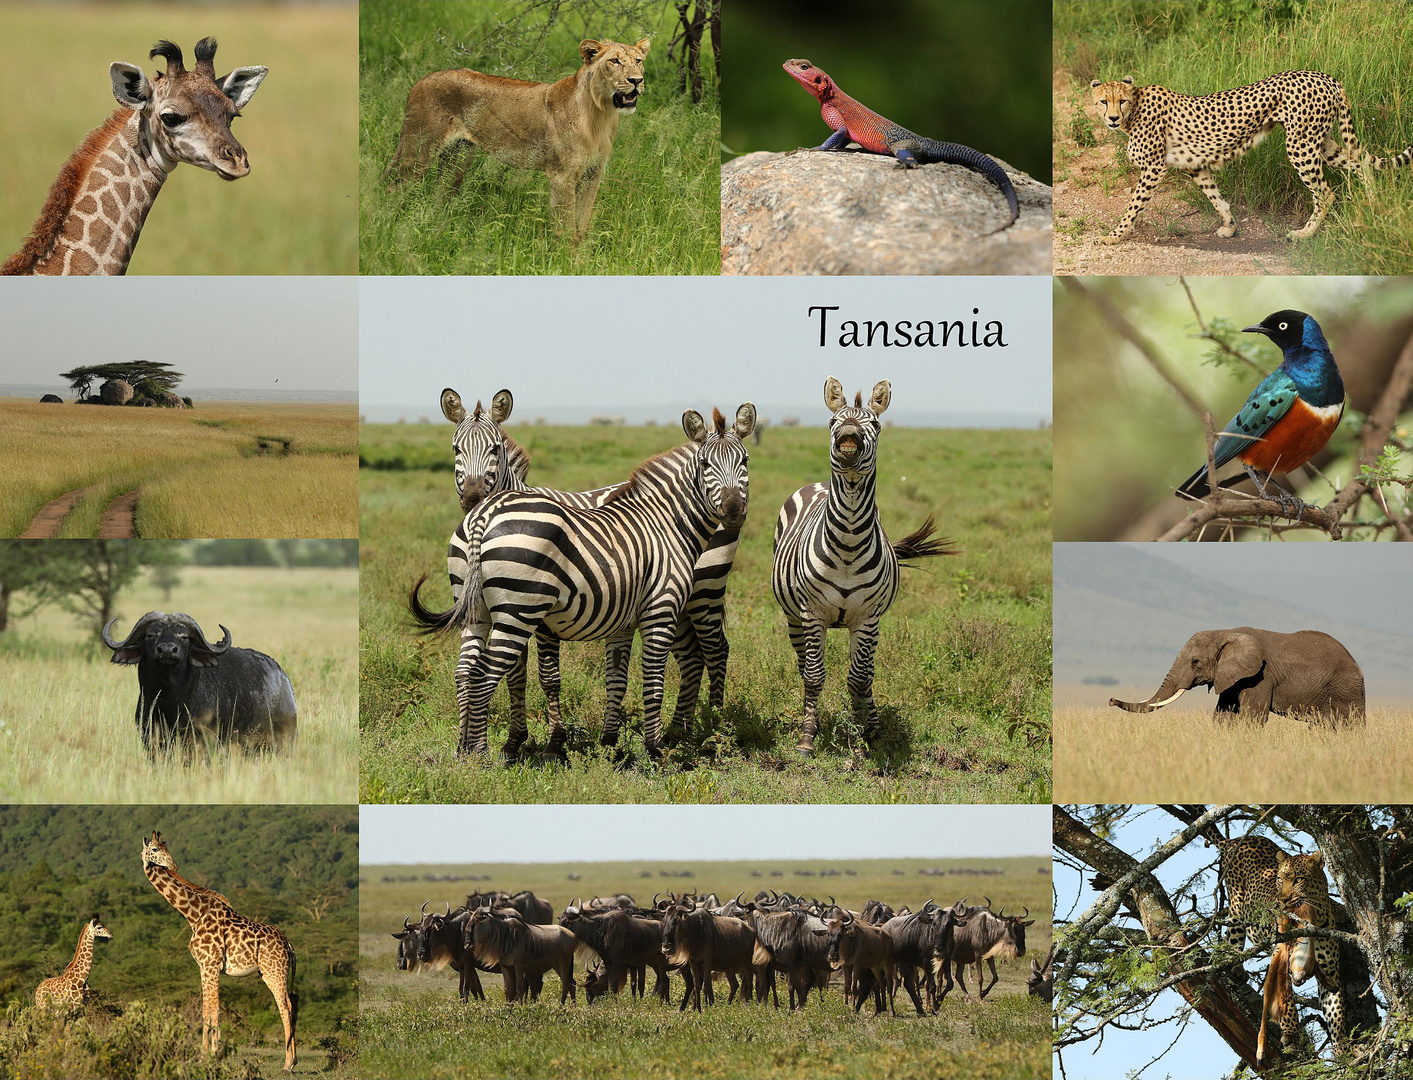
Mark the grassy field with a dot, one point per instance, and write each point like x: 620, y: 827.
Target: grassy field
x: 67, y: 729
x: 658, y: 209
x: 962, y: 671
x: 414, y: 1026
x: 1103, y: 755
x: 1200, y: 48
x: 176, y: 459
x: 294, y: 214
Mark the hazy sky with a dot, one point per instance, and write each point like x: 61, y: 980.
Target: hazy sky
x: 664, y: 344
x: 236, y: 332
x: 505, y: 834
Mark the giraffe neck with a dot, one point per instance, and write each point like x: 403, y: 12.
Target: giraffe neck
x: 191, y: 901
x: 83, y: 956
x: 111, y: 203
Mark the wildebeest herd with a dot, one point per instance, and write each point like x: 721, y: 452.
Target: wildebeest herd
x: 749, y: 943
x: 652, y: 555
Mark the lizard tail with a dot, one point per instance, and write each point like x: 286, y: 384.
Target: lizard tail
x: 956, y: 154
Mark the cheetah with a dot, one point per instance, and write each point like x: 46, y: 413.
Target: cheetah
x: 1263, y: 884
x: 1198, y: 134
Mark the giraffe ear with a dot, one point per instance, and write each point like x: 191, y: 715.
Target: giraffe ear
x: 240, y: 85
x: 130, y: 85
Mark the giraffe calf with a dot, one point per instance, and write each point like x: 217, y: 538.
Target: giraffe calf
x: 70, y: 988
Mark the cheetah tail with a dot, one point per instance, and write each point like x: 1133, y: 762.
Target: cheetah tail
x: 1354, y: 151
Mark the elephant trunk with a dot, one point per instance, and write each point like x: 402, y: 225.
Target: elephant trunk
x: 1166, y: 695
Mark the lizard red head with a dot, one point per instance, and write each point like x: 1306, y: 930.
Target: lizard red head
x: 811, y: 78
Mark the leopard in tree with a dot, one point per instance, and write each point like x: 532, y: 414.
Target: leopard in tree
x: 1263, y: 883
x: 1198, y: 134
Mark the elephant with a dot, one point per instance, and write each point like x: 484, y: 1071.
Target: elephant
x: 1307, y: 675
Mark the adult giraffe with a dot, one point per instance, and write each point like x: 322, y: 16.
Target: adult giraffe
x: 222, y: 940
x: 96, y: 208
x: 70, y: 987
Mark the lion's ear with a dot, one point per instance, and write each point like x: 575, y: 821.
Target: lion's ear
x: 589, y: 48
x: 642, y: 46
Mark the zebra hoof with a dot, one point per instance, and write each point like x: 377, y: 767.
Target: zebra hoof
x: 510, y: 753
x: 805, y: 749
x: 608, y: 738
x: 654, y: 750
x: 479, y: 753
x: 554, y: 755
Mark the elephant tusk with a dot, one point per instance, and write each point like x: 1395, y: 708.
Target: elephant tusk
x: 1167, y: 701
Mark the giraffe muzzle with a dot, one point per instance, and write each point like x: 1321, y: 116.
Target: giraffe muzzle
x: 231, y: 163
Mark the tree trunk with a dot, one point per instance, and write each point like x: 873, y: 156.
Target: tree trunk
x: 1223, y: 999
x: 4, y: 606
x: 714, y: 23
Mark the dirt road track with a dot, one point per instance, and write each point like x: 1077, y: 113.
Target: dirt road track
x: 117, y: 523
x: 45, y: 525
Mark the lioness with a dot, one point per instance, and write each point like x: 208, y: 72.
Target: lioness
x: 565, y: 128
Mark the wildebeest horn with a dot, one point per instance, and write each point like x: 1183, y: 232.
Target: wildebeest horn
x: 424, y: 906
x: 988, y: 901
x: 1026, y: 913
x: 405, y: 926
x: 448, y: 910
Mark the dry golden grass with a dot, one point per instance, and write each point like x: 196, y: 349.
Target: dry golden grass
x: 1103, y: 755
x: 203, y: 465
x: 67, y: 732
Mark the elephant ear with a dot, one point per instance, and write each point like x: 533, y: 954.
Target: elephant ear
x: 1240, y: 657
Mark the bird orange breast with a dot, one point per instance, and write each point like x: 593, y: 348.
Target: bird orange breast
x: 1294, y: 439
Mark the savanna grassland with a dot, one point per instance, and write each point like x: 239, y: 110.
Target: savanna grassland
x: 296, y: 212
x: 222, y: 469
x: 658, y: 209
x: 1208, y: 46
x: 963, y: 667
x: 1103, y: 755
x: 413, y: 1025
x: 293, y: 867
x: 67, y: 732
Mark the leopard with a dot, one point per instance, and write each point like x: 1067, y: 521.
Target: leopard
x: 1196, y: 134
x: 1265, y: 885
x: 565, y: 129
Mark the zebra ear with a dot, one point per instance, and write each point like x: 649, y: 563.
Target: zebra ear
x: 694, y: 426
x: 834, y: 394
x: 452, y: 408
x: 745, y: 420
x: 501, y: 405
x: 881, y: 396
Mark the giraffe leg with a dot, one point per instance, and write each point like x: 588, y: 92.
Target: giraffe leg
x: 274, y: 970
x: 211, y: 1007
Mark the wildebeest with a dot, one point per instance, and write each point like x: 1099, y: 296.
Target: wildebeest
x: 861, y: 947
x: 524, y: 950
x: 985, y: 937
x: 408, y: 941
x: 441, y: 941
x: 192, y: 693
x: 704, y: 943
x: 799, y: 948
x: 917, y: 939
x: 1042, y: 977
x: 628, y: 946
x: 530, y: 906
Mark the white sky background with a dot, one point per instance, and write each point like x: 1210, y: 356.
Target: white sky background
x: 507, y: 834
x: 232, y: 332
x: 616, y: 345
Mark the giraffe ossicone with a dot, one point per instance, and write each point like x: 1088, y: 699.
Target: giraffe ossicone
x: 95, y: 210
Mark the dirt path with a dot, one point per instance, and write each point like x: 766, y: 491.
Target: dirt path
x: 1170, y: 237
x: 117, y: 523
x: 45, y: 525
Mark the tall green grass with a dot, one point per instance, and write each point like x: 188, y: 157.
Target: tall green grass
x: 67, y: 732
x: 413, y: 1025
x: 962, y: 669
x: 294, y: 214
x: 1209, y: 45
x: 658, y: 208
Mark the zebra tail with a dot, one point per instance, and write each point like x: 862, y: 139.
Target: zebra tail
x: 428, y: 621
x: 922, y: 544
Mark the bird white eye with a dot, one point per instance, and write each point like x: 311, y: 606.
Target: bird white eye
x: 1285, y: 326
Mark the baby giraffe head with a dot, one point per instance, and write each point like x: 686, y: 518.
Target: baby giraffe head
x: 186, y: 115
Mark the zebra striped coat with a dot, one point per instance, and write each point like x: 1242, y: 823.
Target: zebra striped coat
x: 487, y: 461
x: 541, y: 568
x: 834, y: 565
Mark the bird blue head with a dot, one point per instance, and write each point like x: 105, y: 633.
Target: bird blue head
x: 1306, y: 354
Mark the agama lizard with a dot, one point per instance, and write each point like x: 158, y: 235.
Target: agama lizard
x: 879, y: 135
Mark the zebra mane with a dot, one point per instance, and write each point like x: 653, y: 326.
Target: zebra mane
x: 514, y: 449
x: 630, y: 485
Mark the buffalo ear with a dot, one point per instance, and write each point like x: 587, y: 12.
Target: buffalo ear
x: 202, y: 658
x: 127, y: 656
x: 1240, y: 656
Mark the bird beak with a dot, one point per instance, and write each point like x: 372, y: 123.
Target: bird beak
x: 1256, y: 330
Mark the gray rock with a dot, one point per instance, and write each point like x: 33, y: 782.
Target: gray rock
x: 856, y: 213
x: 51, y: 399
x: 171, y: 400
x: 115, y: 392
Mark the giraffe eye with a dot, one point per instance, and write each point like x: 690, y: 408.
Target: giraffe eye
x: 173, y: 120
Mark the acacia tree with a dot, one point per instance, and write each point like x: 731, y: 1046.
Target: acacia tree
x: 151, y: 377
x: 1152, y: 930
x: 84, y: 577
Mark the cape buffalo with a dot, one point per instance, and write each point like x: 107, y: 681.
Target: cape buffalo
x: 192, y: 693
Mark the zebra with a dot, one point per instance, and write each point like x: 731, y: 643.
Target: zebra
x: 566, y: 573
x: 488, y: 461
x: 834, y: 566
